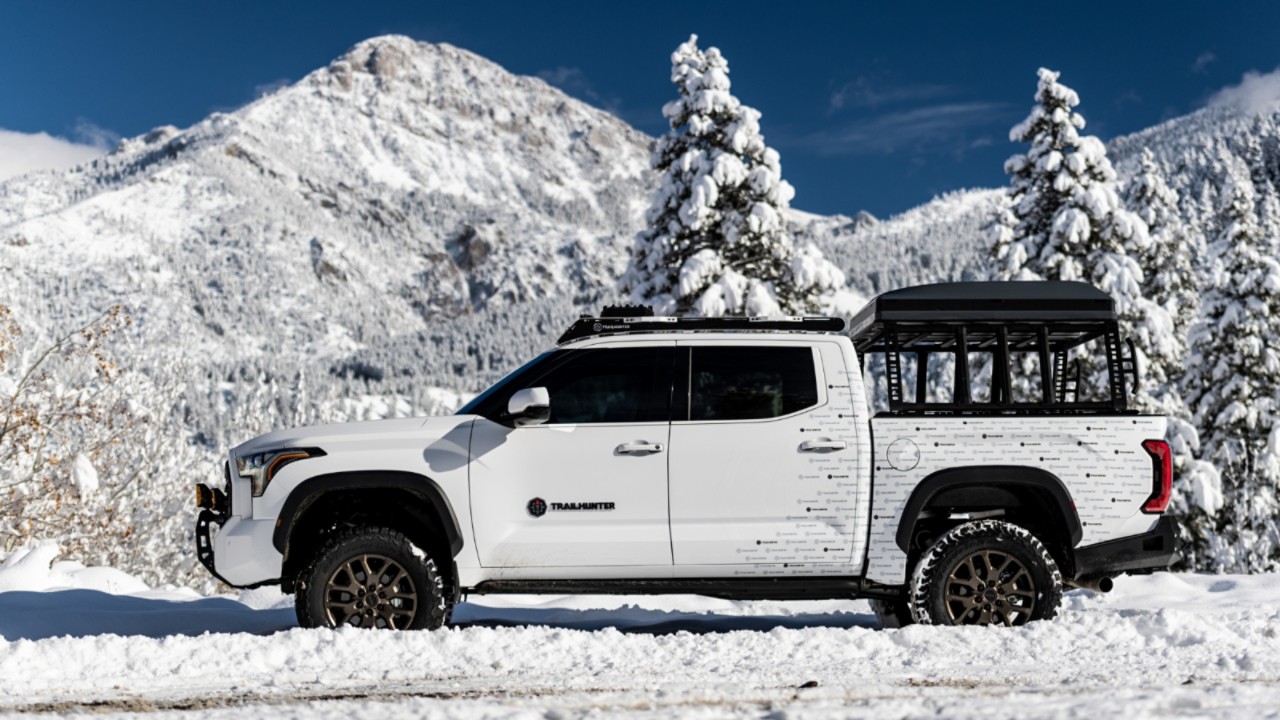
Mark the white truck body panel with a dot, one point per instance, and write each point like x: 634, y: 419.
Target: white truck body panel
x: 748, y: 498
x: 569, y: 465
x: 1096, y: 457
x: 434, y: 447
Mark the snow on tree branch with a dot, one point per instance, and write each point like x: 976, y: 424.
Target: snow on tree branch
x: 716, y: 241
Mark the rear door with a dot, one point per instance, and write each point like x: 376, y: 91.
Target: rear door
x: 589, y: 487
x: 763, y: 466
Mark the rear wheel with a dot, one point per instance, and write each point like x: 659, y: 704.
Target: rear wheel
x: 371, y: 578
x: 985, y: 573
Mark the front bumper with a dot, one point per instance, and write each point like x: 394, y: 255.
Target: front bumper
x: 240, y: 554
x: 1155, y: 550
x: 204, y: 540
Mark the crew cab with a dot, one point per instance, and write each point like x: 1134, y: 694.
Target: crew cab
x: 739, y: 458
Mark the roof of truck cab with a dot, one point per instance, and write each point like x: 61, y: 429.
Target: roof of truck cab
x: 647, y: 326
x: 1015, y: 301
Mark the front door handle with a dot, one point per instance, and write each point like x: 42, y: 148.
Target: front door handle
x: 638, y: 447
x: 823, y: 445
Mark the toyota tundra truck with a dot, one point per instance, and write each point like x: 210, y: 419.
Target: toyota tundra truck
x: 737, y: 458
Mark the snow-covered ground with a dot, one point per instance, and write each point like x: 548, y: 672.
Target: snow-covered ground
x: 1159, y: 646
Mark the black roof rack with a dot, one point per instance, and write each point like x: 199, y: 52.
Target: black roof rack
x: 587, y: 326
x: 1015, y: 301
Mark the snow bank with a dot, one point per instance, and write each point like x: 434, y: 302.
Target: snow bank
x: 42, y: 597
x: 1159, y: 645
x: 33, y: 567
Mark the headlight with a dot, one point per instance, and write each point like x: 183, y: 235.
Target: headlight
x: 259, y: 468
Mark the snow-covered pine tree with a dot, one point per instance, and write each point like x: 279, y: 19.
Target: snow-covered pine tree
x: 1024, y: 245
x: 1170, y: 278
x: 1237, y: 368
x: 1065, y: 221
x: 716, y: 241
x: 1172, y: 281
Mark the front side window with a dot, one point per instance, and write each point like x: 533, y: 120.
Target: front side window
x: 492, y: 403
x: 609, y: 385
x: 750, y: 383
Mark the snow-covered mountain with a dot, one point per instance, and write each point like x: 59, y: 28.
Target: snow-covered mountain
x: 403, y: 184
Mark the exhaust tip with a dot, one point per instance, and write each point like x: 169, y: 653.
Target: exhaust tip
x: 1098, y: 585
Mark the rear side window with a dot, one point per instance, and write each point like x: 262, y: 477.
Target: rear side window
x: 750, y: 383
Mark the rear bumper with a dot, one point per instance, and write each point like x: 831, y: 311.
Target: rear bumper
x: 1155, y: 550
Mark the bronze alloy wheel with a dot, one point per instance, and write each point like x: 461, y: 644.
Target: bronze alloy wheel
x: 989, y: 587
x: 371, y: 577
x: 985, y: 572
x: 370, y: 591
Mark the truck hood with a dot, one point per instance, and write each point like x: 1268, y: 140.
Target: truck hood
x: 389, y: 434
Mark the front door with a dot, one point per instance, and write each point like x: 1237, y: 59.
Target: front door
x: 763, y: 466
x: 588, y: 487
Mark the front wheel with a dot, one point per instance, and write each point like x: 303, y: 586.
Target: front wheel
x: 987, y: 572
x: 371, y: 578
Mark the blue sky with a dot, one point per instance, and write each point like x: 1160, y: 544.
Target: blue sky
x: 875, y: 107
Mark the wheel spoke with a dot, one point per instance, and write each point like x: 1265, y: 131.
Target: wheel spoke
x: 340, y: 611
x: 350, y: 586
x: 977, y: 567
x: 988, y: 570
x: 389, y: 615
x: 999, y: 572
x: 395, y: 582
x: 1014, y: 584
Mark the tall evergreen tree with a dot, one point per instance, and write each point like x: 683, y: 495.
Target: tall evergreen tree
x: 1171, y: 280
x: 1065, y: 221
x: 716, y: 241
x: 1234, y: 392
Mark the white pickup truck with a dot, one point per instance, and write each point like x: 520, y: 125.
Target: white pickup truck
x: 734, y: 457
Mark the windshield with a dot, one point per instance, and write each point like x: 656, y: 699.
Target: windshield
x: 479, y: 400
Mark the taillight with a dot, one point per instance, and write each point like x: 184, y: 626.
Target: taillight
x: 1162, y: 476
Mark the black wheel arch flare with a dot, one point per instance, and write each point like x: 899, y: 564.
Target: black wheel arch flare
x: 983, y: 485
x: 313, y: 489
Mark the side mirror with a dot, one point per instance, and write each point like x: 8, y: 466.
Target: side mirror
x: 530, y: 406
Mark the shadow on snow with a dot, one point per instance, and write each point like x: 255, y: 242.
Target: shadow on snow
x: 83, y: 613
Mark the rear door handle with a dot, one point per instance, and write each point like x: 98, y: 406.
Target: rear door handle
x: 823, y: 445
x: 638, y: 447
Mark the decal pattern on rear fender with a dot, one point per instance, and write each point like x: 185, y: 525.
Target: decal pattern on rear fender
x: 1100, y: 460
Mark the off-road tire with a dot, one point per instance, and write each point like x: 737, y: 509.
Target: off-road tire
x: 321, y: 600
x: 987, y: 572
x: 893, y: 614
